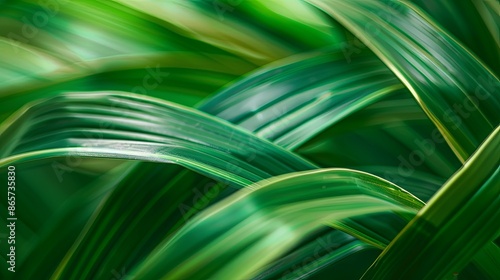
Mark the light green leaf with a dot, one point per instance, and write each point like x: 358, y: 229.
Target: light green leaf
x: 286, y: 209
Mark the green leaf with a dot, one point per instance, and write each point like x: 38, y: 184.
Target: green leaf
x: 457, y: 92
x: 141, y: 168
x: 142, y: 128
x: 452, y: 223
x: 285, y: 209
x: 313, y: 91
x: 473, y: 22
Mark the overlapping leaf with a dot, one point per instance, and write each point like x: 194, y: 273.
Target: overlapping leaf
x: 286, y: 209
x: 461, y: 219
x: 457, y: 92
x: 142, y: 128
